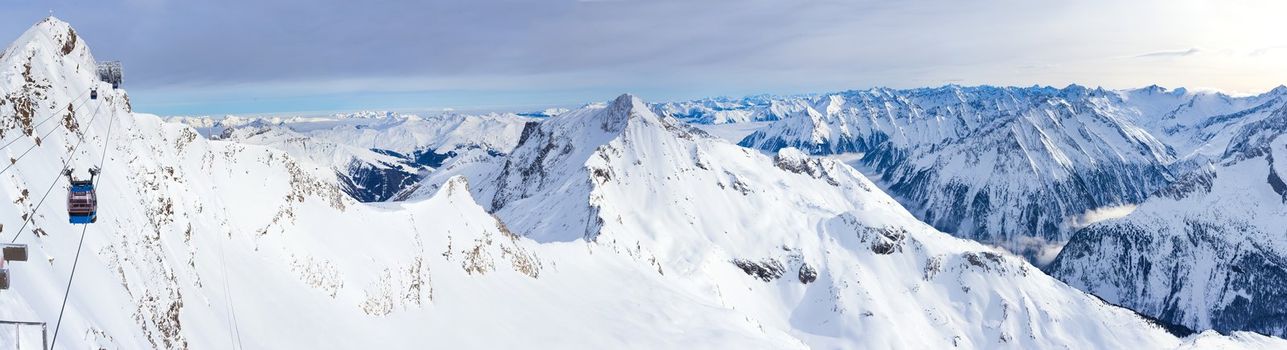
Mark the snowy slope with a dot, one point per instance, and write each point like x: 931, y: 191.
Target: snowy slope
x: 364, y: 174
x: 804, y: 245
x: 1208, y: 252
x: 218, y: 244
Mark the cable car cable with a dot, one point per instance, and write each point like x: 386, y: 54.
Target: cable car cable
x: 55, y: 182
x: 51, y: 116
x: 66, y: 292
x: 75, y: 262
x: 42, y: 137
x: 227, y: 295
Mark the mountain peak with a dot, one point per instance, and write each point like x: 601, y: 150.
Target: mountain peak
x: 457, y: 187
x: 626, y: 99
x: 54, y: 36
x: 1279, y: 90
x: 54, y: 21
x: 623, y: 109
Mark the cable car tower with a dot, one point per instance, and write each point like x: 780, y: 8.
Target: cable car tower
x: 111, y: 72
x: 10, y: 252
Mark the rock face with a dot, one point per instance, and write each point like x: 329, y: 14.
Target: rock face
x: 1208, y: 252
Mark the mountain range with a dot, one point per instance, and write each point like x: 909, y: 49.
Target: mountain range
x: 608, y: 226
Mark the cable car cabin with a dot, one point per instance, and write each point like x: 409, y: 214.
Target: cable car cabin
x: 82, y: 201
x: 93, y: 94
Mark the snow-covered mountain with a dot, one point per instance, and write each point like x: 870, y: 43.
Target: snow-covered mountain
x: 1194, y: 254
x: 1210, y: 251
x: 545, y: 113
x: 1198, y: 125
x: 724, y: 110
x: 1015, y: 167
x: 367, y: 175
x: 375, y: 156
x: 605, y: 227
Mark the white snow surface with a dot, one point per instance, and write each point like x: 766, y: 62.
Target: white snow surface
x: 613, y: 228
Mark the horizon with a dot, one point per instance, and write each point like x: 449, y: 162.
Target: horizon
x: 242, y: 57
x: 542, y: 107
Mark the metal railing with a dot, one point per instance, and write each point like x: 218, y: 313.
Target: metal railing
x: 17, y: 332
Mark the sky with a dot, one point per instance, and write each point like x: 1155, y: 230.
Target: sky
x: 202, y: 57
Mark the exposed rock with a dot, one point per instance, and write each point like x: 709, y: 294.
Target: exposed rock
x: 766, y: 270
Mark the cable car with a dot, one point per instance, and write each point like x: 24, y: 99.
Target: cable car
x: 93, y: 94
x: 82, y: 201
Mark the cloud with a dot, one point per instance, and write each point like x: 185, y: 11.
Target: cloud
x: 1100, y: 214
x: 1166, y: 54
x: 1037, y: 250
x: 589, y: 50
x: 1268, y: 50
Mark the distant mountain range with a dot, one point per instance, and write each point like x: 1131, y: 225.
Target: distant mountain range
x: 1033, y: 169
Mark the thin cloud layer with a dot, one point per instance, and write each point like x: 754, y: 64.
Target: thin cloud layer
x: 205, y: 56
x: 1178, y: 53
